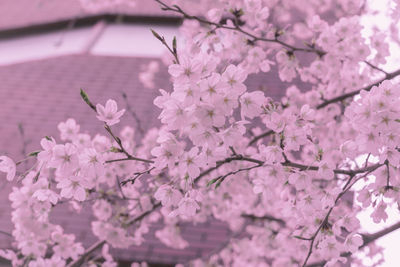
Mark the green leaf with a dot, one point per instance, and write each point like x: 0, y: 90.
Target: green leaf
x: 34, y: 153
x: 157, y: 35
x: 85, y: 98
x: 212, y: 181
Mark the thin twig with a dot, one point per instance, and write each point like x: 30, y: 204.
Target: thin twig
x: 173, y: 50
x: 119, y: 187
x: 133, y: 114
x: 130, y: 158
x: 122, y: 149
x: 5, y: 233
x: 137, y: 175
x: 375, y: 67
x: 221, y: 178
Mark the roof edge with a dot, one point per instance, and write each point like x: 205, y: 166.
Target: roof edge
x: 86, y: 21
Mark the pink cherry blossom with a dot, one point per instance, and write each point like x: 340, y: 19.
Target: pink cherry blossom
x: 73, y: 187
x: 109, y: 114
x: 8, y: 166
x: 68, y: 129
x: 168, y: 195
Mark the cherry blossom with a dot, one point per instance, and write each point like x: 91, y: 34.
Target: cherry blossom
x: 109, y: 113
x: 8, y: 166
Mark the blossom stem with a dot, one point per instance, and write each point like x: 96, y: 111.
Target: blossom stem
x: 122, y: 149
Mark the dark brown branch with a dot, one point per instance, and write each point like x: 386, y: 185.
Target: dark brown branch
x: 265, y: 217
x: 338, y: 171
x: 388, y: 76
x: 130, y: 158
x: 227, y: 160
x: 286, y: 163
x: 221, y: 178
x: 367, y: 239
x: 324, y: 222
x: 237, y: 28
x: 261, y: 136
x: 122, y: 149
x: 90, y: 250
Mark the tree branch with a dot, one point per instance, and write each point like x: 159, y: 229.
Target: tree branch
x: 90, y: 250
x: 133, y: 114
x: 237, y: 28
x: 324, y: 222
x: 261, y: 136
x: 130, y: 158
x: 388, y: 76
x: 367, y: 238
x: 375, y: 67
x: 265, y: 217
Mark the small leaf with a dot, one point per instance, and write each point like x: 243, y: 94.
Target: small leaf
x: 34, y: 153
x: 212, y: 181
x: 85, y: 98
x: 36, y: 178
x: 174, y: 45
x: 48, y: 138
x: 218, y: 184
x: 114, y: 149
x: 157, y: 35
